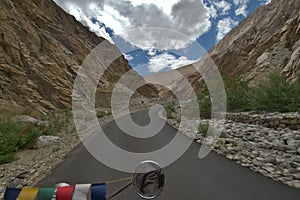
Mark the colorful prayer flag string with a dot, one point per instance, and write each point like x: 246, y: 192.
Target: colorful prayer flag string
x: 77, y: 192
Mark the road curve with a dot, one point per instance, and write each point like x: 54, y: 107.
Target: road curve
x: 211, y: 178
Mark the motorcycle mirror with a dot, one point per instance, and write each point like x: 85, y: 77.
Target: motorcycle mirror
x: 148, y: 180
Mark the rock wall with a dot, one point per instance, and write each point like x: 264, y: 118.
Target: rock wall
x: 273, y: 153
x: 271, y: 120
x: 41, y: 49
x: 267, y: 40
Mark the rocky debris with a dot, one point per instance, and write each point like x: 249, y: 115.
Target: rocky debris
x: 275, y: 153
x: 25, y: 119
x: 271, y: 120
x: 47, y: 140
x: 270, y: 152
x: 2, y: 189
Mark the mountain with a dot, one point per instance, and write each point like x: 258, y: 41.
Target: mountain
x: 41, y: 50
x: 267, y: 40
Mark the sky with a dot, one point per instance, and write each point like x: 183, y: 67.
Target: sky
x: 159, y: 35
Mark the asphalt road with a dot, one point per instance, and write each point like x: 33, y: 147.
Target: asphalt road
x: 213, y: 177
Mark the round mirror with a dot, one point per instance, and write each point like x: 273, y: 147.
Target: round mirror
x: 148, y: 179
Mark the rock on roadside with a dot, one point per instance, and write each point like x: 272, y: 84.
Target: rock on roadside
x: 272, y: 152
x: 47, y: 140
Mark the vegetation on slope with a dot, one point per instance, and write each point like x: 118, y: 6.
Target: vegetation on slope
x: 275, y: 94
x: 16, y: 135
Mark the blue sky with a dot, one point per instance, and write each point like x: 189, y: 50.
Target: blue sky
x: 159, y: 35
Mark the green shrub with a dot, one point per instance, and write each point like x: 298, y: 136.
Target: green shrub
x: 170, y: 109
x: 204, y: 102
x: 15, y: 136
x: 169, y: 113
x: 275, y: 94
x: 103, y: 114
x: 56, y: 121
x: 237, y: 93
x: 6, y: 158
x: 203, y: 129
x: 18, y: 135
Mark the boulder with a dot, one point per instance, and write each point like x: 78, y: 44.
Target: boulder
x: 47, y: 140
x: 24, y: 119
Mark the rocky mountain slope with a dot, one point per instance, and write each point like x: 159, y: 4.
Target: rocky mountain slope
x: 267, y: 40
x: 41, y: 49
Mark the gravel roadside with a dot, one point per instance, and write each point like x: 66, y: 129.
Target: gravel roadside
x: 274, y: 153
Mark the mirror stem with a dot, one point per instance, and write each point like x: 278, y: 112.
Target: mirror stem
x: 119, y: 191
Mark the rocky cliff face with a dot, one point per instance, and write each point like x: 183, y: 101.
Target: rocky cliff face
x: 41, y: 49
x: 267, y: 40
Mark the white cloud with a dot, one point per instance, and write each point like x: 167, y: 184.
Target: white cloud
x: 242, y: 10
x: 188, y: 17
x: 79, y: 14
x: 223, y: 6
x: 112, y: 20
x: 128, y: 56
x: 152, y: 52
x: 265, y: 2
x: 224, y: 26
x: 268, y: 1
x: 241, y: 7
x: 240, y: 2
x: 213, y: 12
x: 167, y: 61
x: 165, y: 5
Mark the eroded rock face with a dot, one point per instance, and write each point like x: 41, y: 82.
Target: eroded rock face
x: 41, y: 49
x: 268, y: 40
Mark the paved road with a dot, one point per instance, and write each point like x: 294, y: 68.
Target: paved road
x: 213, y: 177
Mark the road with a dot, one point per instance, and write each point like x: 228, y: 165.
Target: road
x: 211, y: 178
